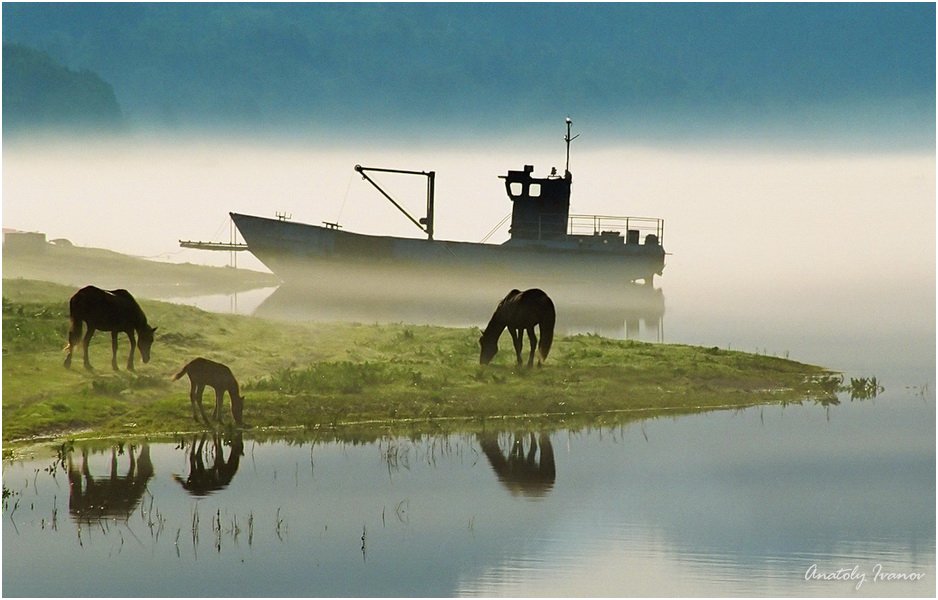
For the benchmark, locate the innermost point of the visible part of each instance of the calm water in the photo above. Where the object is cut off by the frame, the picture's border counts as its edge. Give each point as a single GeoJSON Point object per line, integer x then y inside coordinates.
{"type": "Point", "coordinates": [731, 503]}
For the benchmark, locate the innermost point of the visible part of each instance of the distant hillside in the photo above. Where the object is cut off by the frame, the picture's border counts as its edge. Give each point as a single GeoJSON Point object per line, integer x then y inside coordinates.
{"type": "Point", "coordinates": [76, 266]}
{"type": "Point", "coordinates": [681, 67]}
{"type": "Point", "coordinates": [37, 91]}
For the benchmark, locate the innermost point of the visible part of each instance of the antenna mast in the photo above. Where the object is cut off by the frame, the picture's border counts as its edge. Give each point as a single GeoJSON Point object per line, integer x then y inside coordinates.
{"type": "Point", "coordinates": [569, 139]}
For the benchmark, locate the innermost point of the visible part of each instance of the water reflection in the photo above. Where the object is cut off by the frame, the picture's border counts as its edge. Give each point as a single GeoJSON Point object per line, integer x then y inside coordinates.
{"type": "Point", "coordinates": [524, 465]}
{"type": "Point", "coordinates": [97, 498]}
{"type": "Point", "coordinates": [632, 312]}
{"type": "Point", "coordinates": [709, 518]}
{"type": "Point", "coordinates": [201, 480]}
{"type": "Point", "coordinates": [865, 388]}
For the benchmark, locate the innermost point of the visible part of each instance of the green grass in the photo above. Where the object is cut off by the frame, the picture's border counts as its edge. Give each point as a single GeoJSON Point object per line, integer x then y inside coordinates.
{"type": "Point", "coordinates": [318, 375]}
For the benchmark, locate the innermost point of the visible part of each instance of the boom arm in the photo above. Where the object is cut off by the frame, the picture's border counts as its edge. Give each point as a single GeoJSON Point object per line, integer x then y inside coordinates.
{"type": "Point", "coordinates": [426, 223]}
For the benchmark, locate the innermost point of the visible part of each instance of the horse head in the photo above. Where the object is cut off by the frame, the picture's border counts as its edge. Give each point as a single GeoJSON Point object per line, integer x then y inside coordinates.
{"type": "Point", "coordinates": [488, 347]}
{"type": "Point", "coordinates": [146, 340]}
{"type": "Point", "coordinates": [237, 408]}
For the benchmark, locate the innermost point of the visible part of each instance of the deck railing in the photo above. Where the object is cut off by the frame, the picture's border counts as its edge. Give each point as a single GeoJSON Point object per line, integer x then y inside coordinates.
{"type": "Point", "coordinates": [598, 224]}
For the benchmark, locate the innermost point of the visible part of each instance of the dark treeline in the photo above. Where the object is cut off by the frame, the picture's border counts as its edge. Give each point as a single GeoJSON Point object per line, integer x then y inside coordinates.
{"type": "Point", "coordinates": [37, 91]}
{"type": "Point", "coordinates": [301, 64]}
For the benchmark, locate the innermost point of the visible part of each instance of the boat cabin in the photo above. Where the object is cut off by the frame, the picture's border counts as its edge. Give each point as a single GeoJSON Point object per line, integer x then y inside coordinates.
{"type": "Point", "coordinates": [541, 206]}
{"type": "Point", "coordinates": [541, 212]}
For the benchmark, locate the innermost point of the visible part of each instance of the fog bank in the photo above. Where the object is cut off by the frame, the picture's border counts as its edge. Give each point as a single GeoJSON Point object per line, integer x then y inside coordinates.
{"type": "Point", "coordinates": [762, 216]}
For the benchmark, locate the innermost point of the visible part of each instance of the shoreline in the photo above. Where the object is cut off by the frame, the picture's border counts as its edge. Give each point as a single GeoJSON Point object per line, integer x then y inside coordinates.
{"type": "Point", "coordinates": [328, 376]}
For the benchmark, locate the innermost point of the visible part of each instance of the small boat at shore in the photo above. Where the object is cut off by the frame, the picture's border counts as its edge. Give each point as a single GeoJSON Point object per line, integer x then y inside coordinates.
{"type": "Point", "coordinates": [548, 246]}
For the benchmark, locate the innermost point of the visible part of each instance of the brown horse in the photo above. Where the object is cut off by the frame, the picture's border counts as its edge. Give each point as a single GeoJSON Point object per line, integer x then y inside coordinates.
{"type": "Point", "coordinates": [108, 310]}
{"type": "Point", "coordinates": [520, 311]}
{"type": "Point", "coordinates": [204, 372]}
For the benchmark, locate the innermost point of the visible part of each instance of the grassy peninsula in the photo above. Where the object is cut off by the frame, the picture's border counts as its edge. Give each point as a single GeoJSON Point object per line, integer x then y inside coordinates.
{"type": "Point", "coordinates": [324, 375]}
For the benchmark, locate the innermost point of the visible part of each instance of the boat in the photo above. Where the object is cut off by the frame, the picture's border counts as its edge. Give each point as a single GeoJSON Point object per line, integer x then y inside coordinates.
{"type": "Point", "coordinates": [548, 247]}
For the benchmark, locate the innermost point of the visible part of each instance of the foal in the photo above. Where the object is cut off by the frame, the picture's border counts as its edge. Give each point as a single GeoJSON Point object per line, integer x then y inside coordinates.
{"type": "Point", "coordinates": [204, 372]}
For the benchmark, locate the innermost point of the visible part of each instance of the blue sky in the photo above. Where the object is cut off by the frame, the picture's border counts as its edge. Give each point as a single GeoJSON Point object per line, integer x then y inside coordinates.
{"type": "Point", "coordinates": [676, 69]}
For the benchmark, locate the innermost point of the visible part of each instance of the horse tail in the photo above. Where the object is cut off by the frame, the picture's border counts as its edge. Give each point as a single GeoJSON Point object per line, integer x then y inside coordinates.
{"type": "Point", "coordinates": [547, 331]}
{"type": "Point", "coordinates": [182, 372]}
{"type": "Point", "coordinates": [75, 327]}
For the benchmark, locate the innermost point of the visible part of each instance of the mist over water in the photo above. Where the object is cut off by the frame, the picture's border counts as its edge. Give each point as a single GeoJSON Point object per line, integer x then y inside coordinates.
{"type": "Point", "coordinates": [757, 237]}
{"type": "Point", "coordinates": [872, 213]}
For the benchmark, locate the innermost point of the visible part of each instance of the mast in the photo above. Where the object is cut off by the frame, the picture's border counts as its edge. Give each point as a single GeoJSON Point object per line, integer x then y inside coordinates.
{"type": "Point", "coordinates": [569, 139]}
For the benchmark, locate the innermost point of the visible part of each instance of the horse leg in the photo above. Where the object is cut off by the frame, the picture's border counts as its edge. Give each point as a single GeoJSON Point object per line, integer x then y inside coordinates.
{"type": "Point", "coordinates": [517, 339]}
{"type": "Point", "coordinates": [133, 346]}
{"type": "Point", "coordinates": [192, 401]}
{"type": "Point", "coordinates": [198, 399]}
{"type": "Point", "coordinates": [84, 346]}
{"type": "Point", "coordinates": [201, 392]}
{"type": "Point", "coordinates": [114, 350]}
{"type": "Point", "coordinates": [533, 339]}
{"type": "Point", "coordinates": [219, 398]}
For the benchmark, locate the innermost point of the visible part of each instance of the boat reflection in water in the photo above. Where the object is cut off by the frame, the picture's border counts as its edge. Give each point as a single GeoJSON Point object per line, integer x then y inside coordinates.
{"type": "Point", "coordinates": [635, 311]}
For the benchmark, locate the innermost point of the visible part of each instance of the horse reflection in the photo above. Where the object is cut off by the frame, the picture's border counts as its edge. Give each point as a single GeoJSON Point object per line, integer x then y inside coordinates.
{"type": "Point", "coordinates": [203, 480]}
{"type": "Point", "coordinates": [92, 499]}
{"type": "Point", "coordinates": [526, 473]}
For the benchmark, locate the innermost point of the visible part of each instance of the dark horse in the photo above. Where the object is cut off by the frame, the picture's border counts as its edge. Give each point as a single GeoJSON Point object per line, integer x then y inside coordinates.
{"type": "Point", "coordinates": [204, 372]}
{"type": "Point", "coordinates": [520, 311]}
{"type": "Point", "coordinates": [107, 310]}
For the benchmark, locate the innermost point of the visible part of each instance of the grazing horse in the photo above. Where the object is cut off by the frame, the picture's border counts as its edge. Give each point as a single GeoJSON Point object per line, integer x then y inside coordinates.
{"type": "Point", "coordinates": [204, 372]}
{"type": "Point", "coordinates": [107, 310]}
{"type": "Point", "coordinates": [520, 311]}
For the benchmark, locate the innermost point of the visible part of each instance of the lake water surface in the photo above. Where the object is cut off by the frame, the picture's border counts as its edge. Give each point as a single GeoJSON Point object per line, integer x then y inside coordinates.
{"type": "Point", "coordinates": [730, 503]}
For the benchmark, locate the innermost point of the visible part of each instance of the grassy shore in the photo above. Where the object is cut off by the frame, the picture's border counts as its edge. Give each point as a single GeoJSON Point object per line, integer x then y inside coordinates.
{"type": "Point", "coordinates": [77, 266]}
{"type": "Point", "coordinates": [317, 375]}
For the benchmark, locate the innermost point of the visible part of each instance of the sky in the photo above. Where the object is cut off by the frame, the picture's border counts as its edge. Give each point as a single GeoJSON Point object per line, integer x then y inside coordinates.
{"type": "Point", "coordinates": [836, 74]}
